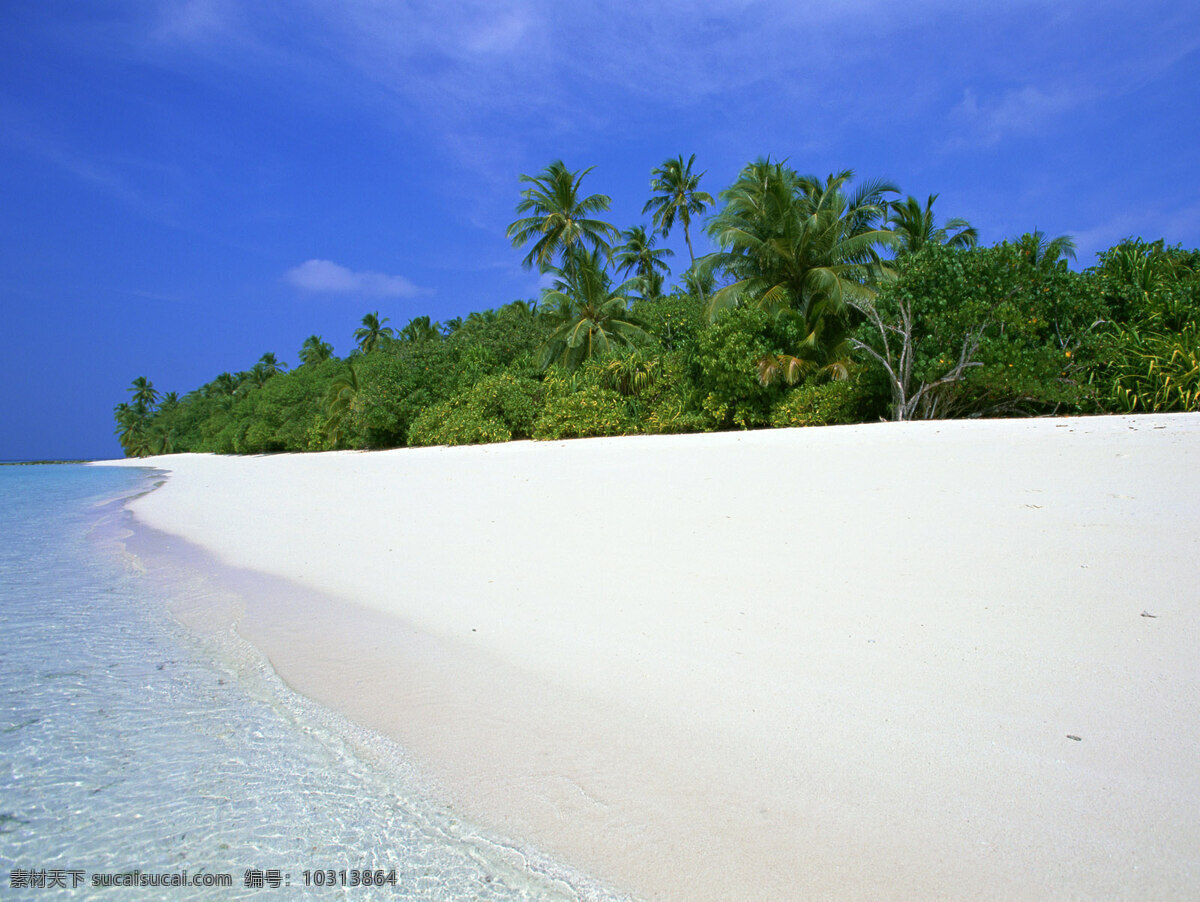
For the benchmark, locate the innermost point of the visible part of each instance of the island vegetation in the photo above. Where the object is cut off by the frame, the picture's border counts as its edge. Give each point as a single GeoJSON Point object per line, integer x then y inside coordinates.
{"type": "Point", "coordinates": [826, 301]}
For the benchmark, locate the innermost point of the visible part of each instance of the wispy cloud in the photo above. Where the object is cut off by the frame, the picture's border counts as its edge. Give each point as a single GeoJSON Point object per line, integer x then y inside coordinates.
{"type": "Point", "coordinates": [327, 277]}
{"type": "Point", "coordinates": [1020, 111]}
{"type": "Point", "coordinates": [1161, 221]}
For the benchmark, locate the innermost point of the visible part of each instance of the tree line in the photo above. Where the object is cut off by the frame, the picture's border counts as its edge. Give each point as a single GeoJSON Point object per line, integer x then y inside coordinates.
{"type": "Point", "coordinates": [825, 302]}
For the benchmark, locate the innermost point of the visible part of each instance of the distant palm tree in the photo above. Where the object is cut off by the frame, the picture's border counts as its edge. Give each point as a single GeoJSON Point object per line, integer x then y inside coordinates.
{"type": "Point", "coordinates": [560, 222]}
{"type": "Point", "coordinates": [639, 256]}
{"type": "Point", "coordinates": [1044, 252]}
{"type": "Point", "coordinates": [339, 401]}
{"type": "Point", "coordinates": [450, 326]}
{"type": "Point", "coordinates": [520, 309]}
{"type": "Point", "coordinates": [255, 377]}
{"type": "Point", "coordinates": [270, 365]}
{"type": "Point", "coordinates": [373, 332]}
{"type": "Point", "coordinates": [419, 328]}
{"type": "Point", "coordinates": [592, 314]}
{"type": "Point", "coordinates": [169, 401]}
{"type": "Point", "coordinates": [315, 350]}
{"type": "Point", "coordinates": [144, 394]}
{"type": "Point", "coordinates": [482, 317]}
{"type": "Point", "coordinates": [679, 197]}
{"type": "Point", "coordinates": [132, 429]}
{"type": "Point", "coordinates": [224, 385]}
{"type": "Point", "coordinates": [915, 227]}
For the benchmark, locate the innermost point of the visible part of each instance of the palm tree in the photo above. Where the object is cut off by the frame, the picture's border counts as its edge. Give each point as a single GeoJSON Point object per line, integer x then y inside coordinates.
{"type": "Point", "coordinates": [1043, 252]}
{"type": "Point", "coordinates": [520, 309]}
{"type": "Point", "coordinates": [132, 428]}
{"type": "Point", "coordinates": [800, 247]}
{"type": "Point", "coordinates": [339, 401]}
{"type": "Point", "coordinates": [373, 332]}
{"type": "Point", "coordinates": [255, 377]}
{"type": "Point", "coordinates": [915, 227]}
{"type": "Point", "coordinates": [270, 365]}
{"type": "Point", "coordinates": [419, 328]}
{"type": "Point", "coordinates": [144, 394]}
{"type": "Point", "coordinates": [679, 197]}
{"type": "Point", "coordinates": [638, 255]}
{"type": "Point", "coordinates": [482, 317]}
{"type": "Point", "coordinates": [592, 314]}
{"type": "Point", "coordinates": [450, 326]}
{"type": "Point", "coordinates": [559, 221]}
{"type": "Point", "coordinates": [224, 385]}
{"type": "Point", "coordinates": [315, 350]}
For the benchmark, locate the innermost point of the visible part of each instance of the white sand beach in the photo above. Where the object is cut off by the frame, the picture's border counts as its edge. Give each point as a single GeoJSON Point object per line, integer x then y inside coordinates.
{"type": "Point", "coordinates": [890, 661]}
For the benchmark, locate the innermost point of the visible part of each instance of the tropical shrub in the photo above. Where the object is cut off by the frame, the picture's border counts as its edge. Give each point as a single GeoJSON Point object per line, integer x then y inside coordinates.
{"type": "Point", "coordinates": [828, 403]}
{"type": "Point", "coordinates": [982, 331]}
{"type": "Point", "coordinates": [579, 406]}
{"type": "Point", "coordinates": [496, 409]}
{"type": "Point", "coordinates": [726, 363]}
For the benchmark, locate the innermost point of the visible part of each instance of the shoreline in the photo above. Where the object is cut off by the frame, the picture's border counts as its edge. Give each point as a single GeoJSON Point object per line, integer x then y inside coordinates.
{"type": "Point", "coordinates": [843, 662]}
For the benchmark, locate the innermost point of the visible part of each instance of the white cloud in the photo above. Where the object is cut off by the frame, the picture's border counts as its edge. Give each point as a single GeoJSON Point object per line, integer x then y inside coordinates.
{"type": "Point", "coordinates": [327, 277]}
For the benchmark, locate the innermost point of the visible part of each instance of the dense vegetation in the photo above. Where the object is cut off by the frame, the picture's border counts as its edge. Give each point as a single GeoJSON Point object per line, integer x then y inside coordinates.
{"type": "Point", "coordinates": [823, 303]}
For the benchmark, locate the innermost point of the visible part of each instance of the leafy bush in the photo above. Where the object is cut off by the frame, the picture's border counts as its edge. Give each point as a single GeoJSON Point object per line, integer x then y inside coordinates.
{"type": "Point", "coordinates": [726, 364]}
{"type": "Point", "coordinates": [1156, 371]}
{"type": "Point", "coordinates": [984, 331]}
{"type": "Point", "coordinates": [495, 409]}
{"type": "Point", "coordinates": [581, 407]}
{"type": "Point", "coordinates": [819, 404]}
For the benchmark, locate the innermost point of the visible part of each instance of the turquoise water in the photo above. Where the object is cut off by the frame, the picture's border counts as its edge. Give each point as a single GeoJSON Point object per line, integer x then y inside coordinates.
{"type": "Point", "coordinates": [128, 744]}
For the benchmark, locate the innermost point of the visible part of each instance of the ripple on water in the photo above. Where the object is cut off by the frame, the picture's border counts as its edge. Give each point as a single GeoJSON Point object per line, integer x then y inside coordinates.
{"type": "Point", "coordinates": [128, 744]}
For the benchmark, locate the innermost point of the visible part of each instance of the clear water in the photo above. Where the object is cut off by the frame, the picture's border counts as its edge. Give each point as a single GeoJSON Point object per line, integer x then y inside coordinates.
{"type": "Point", "coordinates": [129, 744]}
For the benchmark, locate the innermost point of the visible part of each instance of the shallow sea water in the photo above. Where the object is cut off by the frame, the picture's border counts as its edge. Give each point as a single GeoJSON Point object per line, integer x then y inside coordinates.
{"type": "Point", "coordinates": [128, 743]}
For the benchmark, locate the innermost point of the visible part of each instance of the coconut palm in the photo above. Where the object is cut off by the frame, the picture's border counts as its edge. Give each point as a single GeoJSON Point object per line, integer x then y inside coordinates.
{"type": "Point", "coordinates": [224, 385]}
{"type": "Point", "coordinates": [520, 309]}
{"type": "Point", "coordinates": [144, 394]}
{"type": "Point", "coordinates": [915, 227]}
{"type": "Point", "coordinates": [339, 400]}
{"type": "Point", "coordinates": [639, 256]}
{"type": "Point", "coordinates": [679, 197]}
{"type": "Point", "coordinates": [799, 247]}
{"type": "Point", "coordinates": [592, 314]}
{"type": "Point", "coordinates": [255, 377]}
{"type": "Point", "coordinates": [133, 428]}
{"type": "Point", "coordinates": [560, 222]}
{"type": "Point", "coordinates": [419, 328]}
{"type": "Point", "coordinates": [1044, 252]}
{"type": "Point", "coordinates": [315, 350]}
{"type": "Point", "coordinates": [270, 365]}
{"type": "Point", "coordinates": [373, 333]}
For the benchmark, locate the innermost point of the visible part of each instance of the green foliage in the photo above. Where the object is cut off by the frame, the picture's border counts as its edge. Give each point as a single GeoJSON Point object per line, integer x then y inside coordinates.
{"type": "Point", "coordinates": [586, 410]}
{"type": "Point", "coordinates": [590, 313]}
{"type": "Point", "coordinates": [559, 223]}
{"type": "Point", "coordinates": [983, 331]}
{"type": "Point", "coordinates": [726, 369]}
{"type": "Point", "coordinates": [674, 321]}
{"type": "Point", "coordinates": [496, 409]}
{"type": "Point", "coordinates": [1151, 350]}
{"type": "Point", "coordinates": [1156, 371]}
{"type": "Point", "coordinates": [828, 403]}
{"type": "Point", "coordinates": [799, 244]}
{"type": "Point", "coordinates": [747, 339]}
{"type": "Point", "coordinates": [395, 385]}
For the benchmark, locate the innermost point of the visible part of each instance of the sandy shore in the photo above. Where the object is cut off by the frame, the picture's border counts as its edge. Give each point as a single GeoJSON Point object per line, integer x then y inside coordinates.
{"type": "Point", "coordinates": [940, 660]}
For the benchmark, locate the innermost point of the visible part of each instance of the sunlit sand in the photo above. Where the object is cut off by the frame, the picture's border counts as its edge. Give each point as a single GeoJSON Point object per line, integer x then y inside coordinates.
{"type": "Point", "coordinates": [947, 659]}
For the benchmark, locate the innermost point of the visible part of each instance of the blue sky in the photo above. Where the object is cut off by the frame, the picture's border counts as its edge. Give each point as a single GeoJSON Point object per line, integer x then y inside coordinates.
{"type": "Point", "coordinates": [186, 185]}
